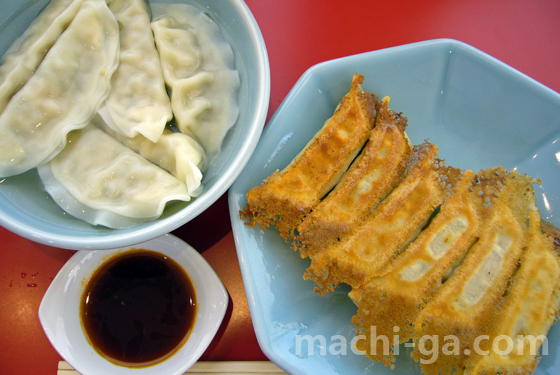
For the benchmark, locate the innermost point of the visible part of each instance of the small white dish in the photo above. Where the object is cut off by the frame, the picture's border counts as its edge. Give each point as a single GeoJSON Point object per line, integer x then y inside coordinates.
{"type": "Point", "coordinates": [59, 311]}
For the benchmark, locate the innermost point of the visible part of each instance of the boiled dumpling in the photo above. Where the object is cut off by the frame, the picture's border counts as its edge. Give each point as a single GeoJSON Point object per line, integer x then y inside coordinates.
{"type": "Point", "coordinates": [198, 68]}
{"type": "Point", "coordinates": [27, 51]}
{"type": "Point", "coordinates": [138, 102]}
{"type": "Point", "coordinates": [98, 180]}
{"type": "Point", "coordinates": [64, 92]}
{"type": "Point", "coordinates": [177, 153]}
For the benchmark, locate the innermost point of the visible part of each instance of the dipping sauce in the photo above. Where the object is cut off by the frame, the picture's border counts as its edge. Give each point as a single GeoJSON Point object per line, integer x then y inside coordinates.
{"type": "Point", "coordinates": [138, 308]}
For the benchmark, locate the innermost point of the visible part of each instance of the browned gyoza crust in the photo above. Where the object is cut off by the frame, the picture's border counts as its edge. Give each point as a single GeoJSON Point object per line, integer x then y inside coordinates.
{"type": "Point", "coordinates": [371, 248]}
{"type": "Point", "coordinates": [527, 312]}
{"type": "Point", "coordinates": [396, 299]}
{"type": "Point", "coordinates": [370, 178]}
{"type": "Point", "coordinates": [466, 306]}
{"type": "Point", "coordinates": [286, 197]}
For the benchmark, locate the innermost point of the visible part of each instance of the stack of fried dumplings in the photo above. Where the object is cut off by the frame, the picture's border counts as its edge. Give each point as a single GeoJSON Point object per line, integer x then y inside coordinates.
{"type": "Point", "coordinates": [427, 248]}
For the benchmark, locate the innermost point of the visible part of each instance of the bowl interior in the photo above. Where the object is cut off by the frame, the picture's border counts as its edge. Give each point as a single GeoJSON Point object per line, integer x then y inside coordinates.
{"type": "Point", "coordinates": [480, 112]}
{"type": "Point", "coordinates": [26, 209]}
{"type": "Point", "coordinates": [60, 317]}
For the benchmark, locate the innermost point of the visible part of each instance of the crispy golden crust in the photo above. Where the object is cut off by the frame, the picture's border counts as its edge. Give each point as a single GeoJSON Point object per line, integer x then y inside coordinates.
{"type": "Point", "coordinates": [466, 305]}
{"type": "Point", "coordinates": [397, 298]}
{"type": "Point", "coordinates": [370, 178]}
{"type": "Point", "coordinates": [370, 249]}
{"type": "Point", "coordinates": [528, 310]}
{"type": "Point", "coordinates": [286, 197]}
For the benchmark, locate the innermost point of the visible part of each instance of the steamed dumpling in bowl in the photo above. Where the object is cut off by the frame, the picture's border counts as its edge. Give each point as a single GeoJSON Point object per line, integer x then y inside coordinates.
{"type": "Point", "coordinates": [99, 180]}
{"type": "Point", "coordinates": [138, 102]}
{"type": "Point", "coordinates": [26, 52]}
{"type": "Point", "coordinates": [63, 93]}
{"type": "Point", "coordinates": [90, 107]}
{"type": "Point", "coordinates": [198, 69]}
{"type": "Point", "coordinates": [177, 153]}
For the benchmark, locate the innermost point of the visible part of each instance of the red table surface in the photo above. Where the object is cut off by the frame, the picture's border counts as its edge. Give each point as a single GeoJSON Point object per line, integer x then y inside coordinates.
{"type": "Point", "coordinates": [298, 34]}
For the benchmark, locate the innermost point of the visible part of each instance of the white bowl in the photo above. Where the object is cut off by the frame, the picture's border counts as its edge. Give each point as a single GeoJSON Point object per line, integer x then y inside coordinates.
{"type": "Point", "coordinates": [480, 112]}
{"type": "Point", "coordinates": [27, 210]}
{"type": "Point", "coordinates": [59, 311]}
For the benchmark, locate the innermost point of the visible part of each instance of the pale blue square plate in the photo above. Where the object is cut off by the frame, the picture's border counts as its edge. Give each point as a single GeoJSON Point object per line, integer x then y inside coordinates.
{"type": "Point", "coordinates": [480, 112]}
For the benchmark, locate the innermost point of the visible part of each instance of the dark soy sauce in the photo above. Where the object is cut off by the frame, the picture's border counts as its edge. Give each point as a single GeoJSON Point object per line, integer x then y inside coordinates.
{"type": "Point", "coordinates": [138, 308]}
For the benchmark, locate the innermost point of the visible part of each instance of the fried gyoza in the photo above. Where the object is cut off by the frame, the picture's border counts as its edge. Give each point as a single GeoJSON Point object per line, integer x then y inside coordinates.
{"type": "Point", "coordinates": [370, 178]}
{"type": "Point", "coordinates": [529, 309]}
{"type": "Point", "coordinates": [286, 197]}
{"type": "Point", "coordinates": [397, 298]}
{"type": "Point", "coordinates": [370, 249]}
{"type": "Point", "coordinates": [466, 305]}
{"type": "Point", "coordinates": [447, 258]}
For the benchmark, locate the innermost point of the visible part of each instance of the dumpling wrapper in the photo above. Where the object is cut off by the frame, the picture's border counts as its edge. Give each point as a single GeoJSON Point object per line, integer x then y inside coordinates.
{"type": "Point", "coordinates": [98, 180]}
{"type": "Point", "coordinates": [177, 153]}
{"type": "Point", "coordinates": [138, 102]}
{"type": "Point", "coordinates": [63, 94]}
{"type": "Point", "coordinates": [26, 52]}
{"type": "Point", "coordinates": [198, 68]}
